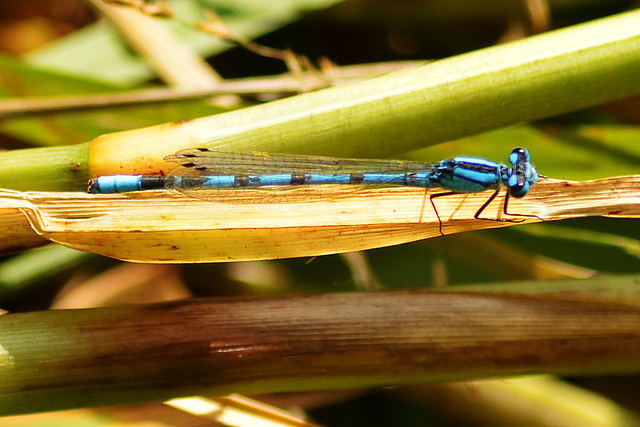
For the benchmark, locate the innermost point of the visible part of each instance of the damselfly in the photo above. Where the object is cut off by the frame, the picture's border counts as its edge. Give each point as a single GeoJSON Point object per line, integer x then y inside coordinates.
{"type": "Point", "coordinates": [202, 170]}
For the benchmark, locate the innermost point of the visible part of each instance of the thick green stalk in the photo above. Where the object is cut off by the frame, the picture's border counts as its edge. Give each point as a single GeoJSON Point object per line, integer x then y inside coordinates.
{"type": "Point", "coordinates": [45, 169]}
{"type": "Point", "coordinates": [118, 355]}
{"type": "Point", "coordinates": [536, 77]}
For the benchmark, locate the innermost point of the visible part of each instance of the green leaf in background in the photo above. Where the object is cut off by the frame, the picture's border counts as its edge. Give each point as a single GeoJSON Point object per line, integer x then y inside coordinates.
{"type": "Point", "coordinates": [98, 53]}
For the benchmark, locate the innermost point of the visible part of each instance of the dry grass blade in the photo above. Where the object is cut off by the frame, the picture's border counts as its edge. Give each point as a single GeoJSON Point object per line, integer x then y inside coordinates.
{"type": "Point", "coordinates": [162, 226]}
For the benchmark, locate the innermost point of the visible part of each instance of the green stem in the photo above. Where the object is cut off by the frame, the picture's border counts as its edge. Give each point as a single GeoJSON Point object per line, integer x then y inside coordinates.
{"type": "Point", "coordinates": [45, 169]}
{"type": "Point", "coordinates": [310, 342]}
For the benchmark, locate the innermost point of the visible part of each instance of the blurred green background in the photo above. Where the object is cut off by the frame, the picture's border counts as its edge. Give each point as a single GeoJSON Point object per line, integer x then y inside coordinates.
{"type": "Point", "coordinates": [64, 48]}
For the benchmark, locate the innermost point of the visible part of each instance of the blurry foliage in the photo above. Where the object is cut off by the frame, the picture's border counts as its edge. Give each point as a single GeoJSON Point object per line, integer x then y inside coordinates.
{"type": "Point", "coordinates": [60, 48]}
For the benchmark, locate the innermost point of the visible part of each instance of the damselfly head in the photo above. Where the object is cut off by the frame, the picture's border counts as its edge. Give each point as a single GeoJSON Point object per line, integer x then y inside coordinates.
{"type": "Point", "coordinates": [523, 174]}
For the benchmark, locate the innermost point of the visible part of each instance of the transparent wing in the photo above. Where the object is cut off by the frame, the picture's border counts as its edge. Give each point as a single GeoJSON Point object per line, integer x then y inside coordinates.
{"type": "Point", "coordinates": [278, 193]}
{"type": "Point", "coordinates": [204, 161]}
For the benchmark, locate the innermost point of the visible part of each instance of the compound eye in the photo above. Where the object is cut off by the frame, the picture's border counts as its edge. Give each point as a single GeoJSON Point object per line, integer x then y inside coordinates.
{"type": "Point", "coordinates": [519, 155]}
{"type": "Point", "coordinates": [519, 190]}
